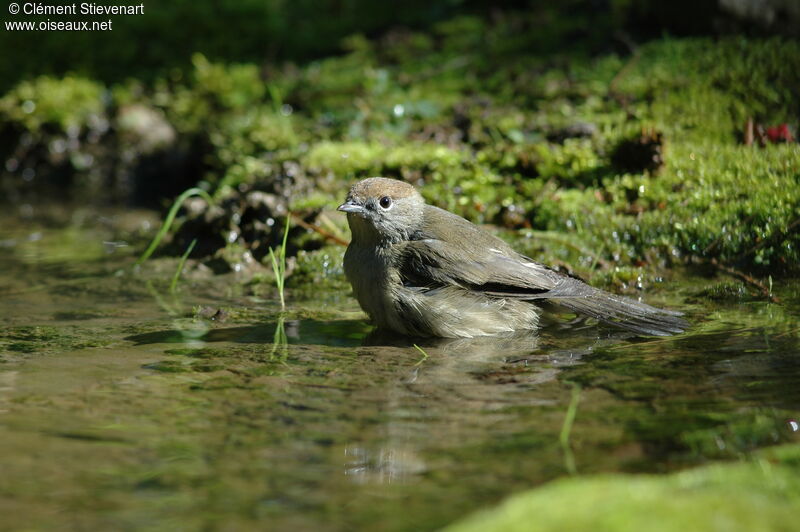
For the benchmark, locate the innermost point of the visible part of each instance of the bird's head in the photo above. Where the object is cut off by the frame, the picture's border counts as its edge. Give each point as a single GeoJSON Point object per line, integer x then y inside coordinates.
{"type": "Point", "coordinates": [383, 210]}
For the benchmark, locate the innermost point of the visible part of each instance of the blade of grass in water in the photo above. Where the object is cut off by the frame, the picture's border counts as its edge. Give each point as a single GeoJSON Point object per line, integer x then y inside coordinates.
{"type": "Point", "coordinates": [174, 284]}
{"type": "Point", "coordinates": [424, 355]}
{"type": "Point", "coordinates": [173, 211]}
{"type": "Point", "coordinates": [279, 262]}
{"type": "Point", "coordinates": [566, 428]}
{"type": "Point", "coordinates": [280, 342]}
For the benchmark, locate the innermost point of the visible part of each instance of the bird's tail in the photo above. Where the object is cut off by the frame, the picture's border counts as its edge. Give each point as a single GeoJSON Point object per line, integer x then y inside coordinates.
{"type": "Point", "coordinates": [621, 311]}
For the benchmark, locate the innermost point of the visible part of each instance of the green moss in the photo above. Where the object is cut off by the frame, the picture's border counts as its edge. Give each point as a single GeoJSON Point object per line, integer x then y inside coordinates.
{"type": "Point", "coordinates": [320, 269]}
{"type": "Point", "coordinates": [570, 162]}
{"type": "Point", "coordinates": [48, 340]}
{"type": "Point", "coordinates": [704, 90]}
{"type": "Point", "coordinates": [726, 291]}
{"type": "Point", "coordinates": [68, 103]}
{"type": "Point", "coordinates": [345, 160]}
{"type": "Point", "coordinates": [471, 187]}
{"type": "Point", "coordinates": [761, 494]}
{"type": "Point", "coordinates": [495, 131]}
{"type": "Point", "coordinates": [730, 202]}
{"type": "Point", "coordinates": [168, 366]}
{"type": "Point", "coordinates": [695, 92]}
{"type": "Point", "coordinates": [21, 347]}
{"type": "Point", "coordinates": [737, 434]}
{"type": "Point", "coordinates": [33, 333]}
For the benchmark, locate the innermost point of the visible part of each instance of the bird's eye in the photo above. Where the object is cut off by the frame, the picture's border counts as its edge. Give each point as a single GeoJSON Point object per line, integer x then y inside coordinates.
{"type": "Point", "coordinates": [385, 202]}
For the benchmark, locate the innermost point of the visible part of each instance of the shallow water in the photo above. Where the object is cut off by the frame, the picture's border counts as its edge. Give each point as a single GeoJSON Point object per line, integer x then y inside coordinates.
{"type": "Point", "coordinates": [122, 407]}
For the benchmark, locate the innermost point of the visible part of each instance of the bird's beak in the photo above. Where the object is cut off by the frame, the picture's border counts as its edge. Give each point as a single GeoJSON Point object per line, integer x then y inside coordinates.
{"type": "Point", "coordinates": [350, 206]}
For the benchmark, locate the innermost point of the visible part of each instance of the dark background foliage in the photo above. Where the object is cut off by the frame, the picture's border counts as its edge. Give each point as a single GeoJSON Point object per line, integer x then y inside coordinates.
{"type": "Point", "coordinates": [162, 41]}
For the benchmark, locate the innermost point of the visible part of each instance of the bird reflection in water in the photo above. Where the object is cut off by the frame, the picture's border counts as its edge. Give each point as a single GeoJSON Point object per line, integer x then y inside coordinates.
{"type": "Point", "coordinates": [459, 390]}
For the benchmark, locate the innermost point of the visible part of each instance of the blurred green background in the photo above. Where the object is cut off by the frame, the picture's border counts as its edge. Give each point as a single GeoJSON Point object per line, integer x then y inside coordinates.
{"type": "Point", "coordinates": [268, 31]}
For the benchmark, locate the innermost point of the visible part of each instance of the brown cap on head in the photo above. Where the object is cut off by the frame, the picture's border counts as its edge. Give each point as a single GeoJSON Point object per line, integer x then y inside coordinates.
{"type": "Point", "coordinates": [375, 187]}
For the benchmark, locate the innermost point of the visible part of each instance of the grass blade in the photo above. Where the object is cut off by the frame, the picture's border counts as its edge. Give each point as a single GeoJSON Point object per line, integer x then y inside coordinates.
{"type": "Point", "coordinates": [174, 284]}
{"type": "Point", "coordinates": [279, 262]}
{"type": "Point", "coordinates": [424, 355]}
{"type": "Point", "coordinates": [165, 227]}
{"type": "Point", "coordinates": [566, 429]}
{"type": "Point", "coordinates": [280, 341]}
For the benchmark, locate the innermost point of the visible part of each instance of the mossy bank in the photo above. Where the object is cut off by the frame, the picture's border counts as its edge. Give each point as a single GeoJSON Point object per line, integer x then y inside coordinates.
{"type": "Point", "coordinates": [635, 159]}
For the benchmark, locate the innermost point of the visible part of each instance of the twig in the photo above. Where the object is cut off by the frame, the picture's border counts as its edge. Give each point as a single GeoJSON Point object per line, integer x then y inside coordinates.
{"type": "Point", "coordinates": [787, 333]}
{"type": "Point", "coordinates": [311, 227]}
{"type": "Point", "coordinates": [325, 222]}
{"type": "Point", "coordinates": [612, 87]}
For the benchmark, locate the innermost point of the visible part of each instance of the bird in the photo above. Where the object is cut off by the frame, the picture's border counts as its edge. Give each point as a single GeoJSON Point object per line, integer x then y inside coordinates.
{"type": "Point", "coordinates": [422, 271]}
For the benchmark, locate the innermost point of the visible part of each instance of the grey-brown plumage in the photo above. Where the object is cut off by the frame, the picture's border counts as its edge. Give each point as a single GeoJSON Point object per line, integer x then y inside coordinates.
{"type": "Point", "coordinates": [422, 271]}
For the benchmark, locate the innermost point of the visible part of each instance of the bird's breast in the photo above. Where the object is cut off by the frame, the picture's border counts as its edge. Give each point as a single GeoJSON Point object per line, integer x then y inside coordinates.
{"type": "Point", "coordinates": [371, 274]}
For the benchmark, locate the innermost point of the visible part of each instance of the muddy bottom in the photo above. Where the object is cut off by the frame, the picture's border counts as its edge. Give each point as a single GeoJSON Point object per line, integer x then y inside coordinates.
{"type": "Point", "coordinates": [125, 406]}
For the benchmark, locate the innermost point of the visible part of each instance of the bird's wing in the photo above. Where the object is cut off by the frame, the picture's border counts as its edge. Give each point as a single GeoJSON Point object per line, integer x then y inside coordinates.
{"type": "Point", "coordinates": [481, 262]}
{"type": "Point", "coordinates": [434, 263]}
{"type": "Point", "coordinates": [449, 250]}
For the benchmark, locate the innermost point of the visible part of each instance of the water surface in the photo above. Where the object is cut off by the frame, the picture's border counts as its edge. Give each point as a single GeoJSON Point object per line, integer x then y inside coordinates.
{"type": "Point", "coordinates": [123, 406]}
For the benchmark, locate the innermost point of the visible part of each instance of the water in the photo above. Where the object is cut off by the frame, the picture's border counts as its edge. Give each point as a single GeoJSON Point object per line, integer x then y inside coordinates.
{"type": "Point", "coordinates": [119, 410]}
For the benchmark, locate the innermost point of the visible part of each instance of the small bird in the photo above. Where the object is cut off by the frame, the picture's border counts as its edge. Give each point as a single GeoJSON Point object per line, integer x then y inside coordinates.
{"type": "Point", "coordinates": [419, 270]}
